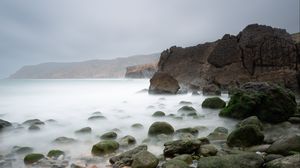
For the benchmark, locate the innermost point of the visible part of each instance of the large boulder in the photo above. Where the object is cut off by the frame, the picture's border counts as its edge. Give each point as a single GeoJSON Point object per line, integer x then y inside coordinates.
{"type": "Point", "coordinates": [163, 83]}
{"type": "Point", "coordinates": [268, 102]}
{"type": "Point", "coordinates": [144, 159]}
{"type": "Point", "coordinates": [213, 103]}
{"type": "Point", "coordinates": [105, 147]}
{"type": "Point", "coordinates": [158, 128]}
{"type": "Point", "coordinates": [178, 147]}
{"type": "Point", "coordinates": [285, 162]}
{"type": "Point", "coordinates": [285, 146]}
{"type": "Point", "coordinates": [245, 136]}
{"type": "Point", "coordinates": [250, 160]}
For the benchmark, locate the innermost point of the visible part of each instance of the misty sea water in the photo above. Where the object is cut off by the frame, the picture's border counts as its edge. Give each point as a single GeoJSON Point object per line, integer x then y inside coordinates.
{"type": "Point", "coordinates": [70, 102]}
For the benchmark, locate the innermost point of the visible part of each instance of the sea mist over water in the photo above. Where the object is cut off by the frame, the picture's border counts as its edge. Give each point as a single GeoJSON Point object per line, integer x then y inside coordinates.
{"type": "Point", "coordinates": [72, 102]}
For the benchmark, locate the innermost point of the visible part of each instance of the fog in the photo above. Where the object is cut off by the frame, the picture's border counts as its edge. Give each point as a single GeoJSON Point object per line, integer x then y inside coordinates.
{"type": "Point", "coordinates": [73, 30]}
{"type": "Point", "coordinates": [71, 102]}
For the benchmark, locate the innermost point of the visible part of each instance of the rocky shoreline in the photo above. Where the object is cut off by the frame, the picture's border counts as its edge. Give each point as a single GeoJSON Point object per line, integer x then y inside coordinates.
{"type": "Point", "coordinates": [267, 135]}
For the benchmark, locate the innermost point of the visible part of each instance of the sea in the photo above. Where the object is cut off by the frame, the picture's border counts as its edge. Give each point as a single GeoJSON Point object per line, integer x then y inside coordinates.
{"type": "Point", "coordinates": [65, 105]}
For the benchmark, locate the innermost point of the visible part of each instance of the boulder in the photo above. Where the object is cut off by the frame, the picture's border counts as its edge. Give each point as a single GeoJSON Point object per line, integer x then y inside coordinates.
{"type": "Point", "coordinates": [286, 145]}
{"type": "Point", "coordinates": [137, 126]}
{"type": "Point", "coordinates": [185, 157]}
{"type": "Point", "coordinates": [55, 154]}
{"type": "Point", "coordinates": [250, 160]}
{"type": "Point", "coordinates": [208, 150]}
{"type": "Point", "coordinates": [160, 128]}
{"type": "Point", "coordinates": [271, 157]}
{"type": "Point", "coordinates": [126, 158]}
{"type": "Point", "coordinates": [245, 136]}
{"type": "Point", "coordinates": [190, 130]}
{"type": "Point", "coordinates": [163, 83]}
{"type": "Point", "coordinates": [109, 135]}
{"type": "Point", "coordinates": [85, 130]}
{"type": "Point", "coordinates": [179, 147]}
{"type": "Point", "coordinates": [220, 133]}
{"type": "Point", "coordinates": [175, 163]}
{"type": "Point", "coordinates": [22, 150]}
{"type": "Point", "coordinates": [127, 140]}
{"type": "Point", "coordinates": [213, 103]}
{"type": "Point", "coordinates": [144, 159]}
{"type": "Point", "coordinates": [285, 162]}
{"type": "Point", "coordinates": [211, 89]}
{"type": "Point", "coordinates": [33, 122]}
{"type": "Point", "coordinates": [64, 140]}
{"type": "Point", "coordinates": [158, 114]}
{"type": "Point", "coordinates": [4, 124]}
{"type": "Point", "coordinates": [268, 102]}
{"type": "Point", "coordinates": [32, 158]}
{"type": "Point", "coordinates": [97, 117]}
{"type": "Point", "coordinates": [253, 120]}
{"type": "Point", "coordinates": [187, 111]}
{"type": "Point", "coordinates": [105, 147]}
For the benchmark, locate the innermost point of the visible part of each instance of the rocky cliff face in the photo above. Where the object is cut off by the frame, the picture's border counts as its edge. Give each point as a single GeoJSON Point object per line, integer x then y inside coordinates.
{"type": "Point", "coordinates": [257, 53]}
{"type": "Point", "coordinates": [141, 71]}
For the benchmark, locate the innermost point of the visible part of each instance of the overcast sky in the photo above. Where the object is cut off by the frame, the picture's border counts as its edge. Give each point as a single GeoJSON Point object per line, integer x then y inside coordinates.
{"type": "Point", "coordinates": [35, 31]}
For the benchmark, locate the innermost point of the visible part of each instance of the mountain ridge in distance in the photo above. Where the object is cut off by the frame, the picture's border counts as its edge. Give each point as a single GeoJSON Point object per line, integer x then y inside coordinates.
{"type": "Point", "coordinates": [97, 68]}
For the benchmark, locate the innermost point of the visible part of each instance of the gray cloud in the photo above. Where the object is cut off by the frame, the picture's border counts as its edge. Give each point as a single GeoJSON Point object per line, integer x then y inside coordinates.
{"type": "Point", "coordinates": [34, 31]}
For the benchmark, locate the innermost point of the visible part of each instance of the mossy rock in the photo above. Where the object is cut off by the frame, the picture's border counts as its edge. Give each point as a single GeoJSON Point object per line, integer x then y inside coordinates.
{"type": "Point", "coordinates": [213, 103]}
{"type": "Point", "coordinates": [160, 128]}
{"type": "Point", "coordinates": [109, 135]}
{"type": "Point", "coordinates": [245, 136]}
{"type": "Point", "coordinates": [158, 114]}
{"type": "Point", "coordinates": [105, 147]}
{"type": "Point", "coordinates": [94, 118]}
{"type": "Point", "coordinates": [33, 157]}
{"type": "Point", "coordinates": [270, 103]}
{"type": "Point", "coordinates": [55, 153]}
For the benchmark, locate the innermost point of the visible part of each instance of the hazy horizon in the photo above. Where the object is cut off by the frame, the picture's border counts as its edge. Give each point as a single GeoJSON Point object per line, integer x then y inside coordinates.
{"type": "Point", "coordinates": [34, 32]}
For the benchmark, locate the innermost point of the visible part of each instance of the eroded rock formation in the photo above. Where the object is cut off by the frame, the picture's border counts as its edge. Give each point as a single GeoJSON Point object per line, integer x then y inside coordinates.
{"type": "Point", "coordinates": [257, 53]}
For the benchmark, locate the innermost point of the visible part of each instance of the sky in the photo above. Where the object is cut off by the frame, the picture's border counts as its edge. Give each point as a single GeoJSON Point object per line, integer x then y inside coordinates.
{"type": "Point", "coordinates": [36, 31]}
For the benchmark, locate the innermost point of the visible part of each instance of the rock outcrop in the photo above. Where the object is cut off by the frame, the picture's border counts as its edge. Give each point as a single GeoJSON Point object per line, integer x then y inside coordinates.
{"type": "Point", "coordinates": [257, 53]}
{"type": "Point", "coordinates": [141, 71]}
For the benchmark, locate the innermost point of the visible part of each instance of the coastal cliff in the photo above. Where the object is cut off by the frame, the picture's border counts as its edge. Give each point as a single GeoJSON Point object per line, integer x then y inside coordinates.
{"type": "Point", "coordinates": [257, 53]}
